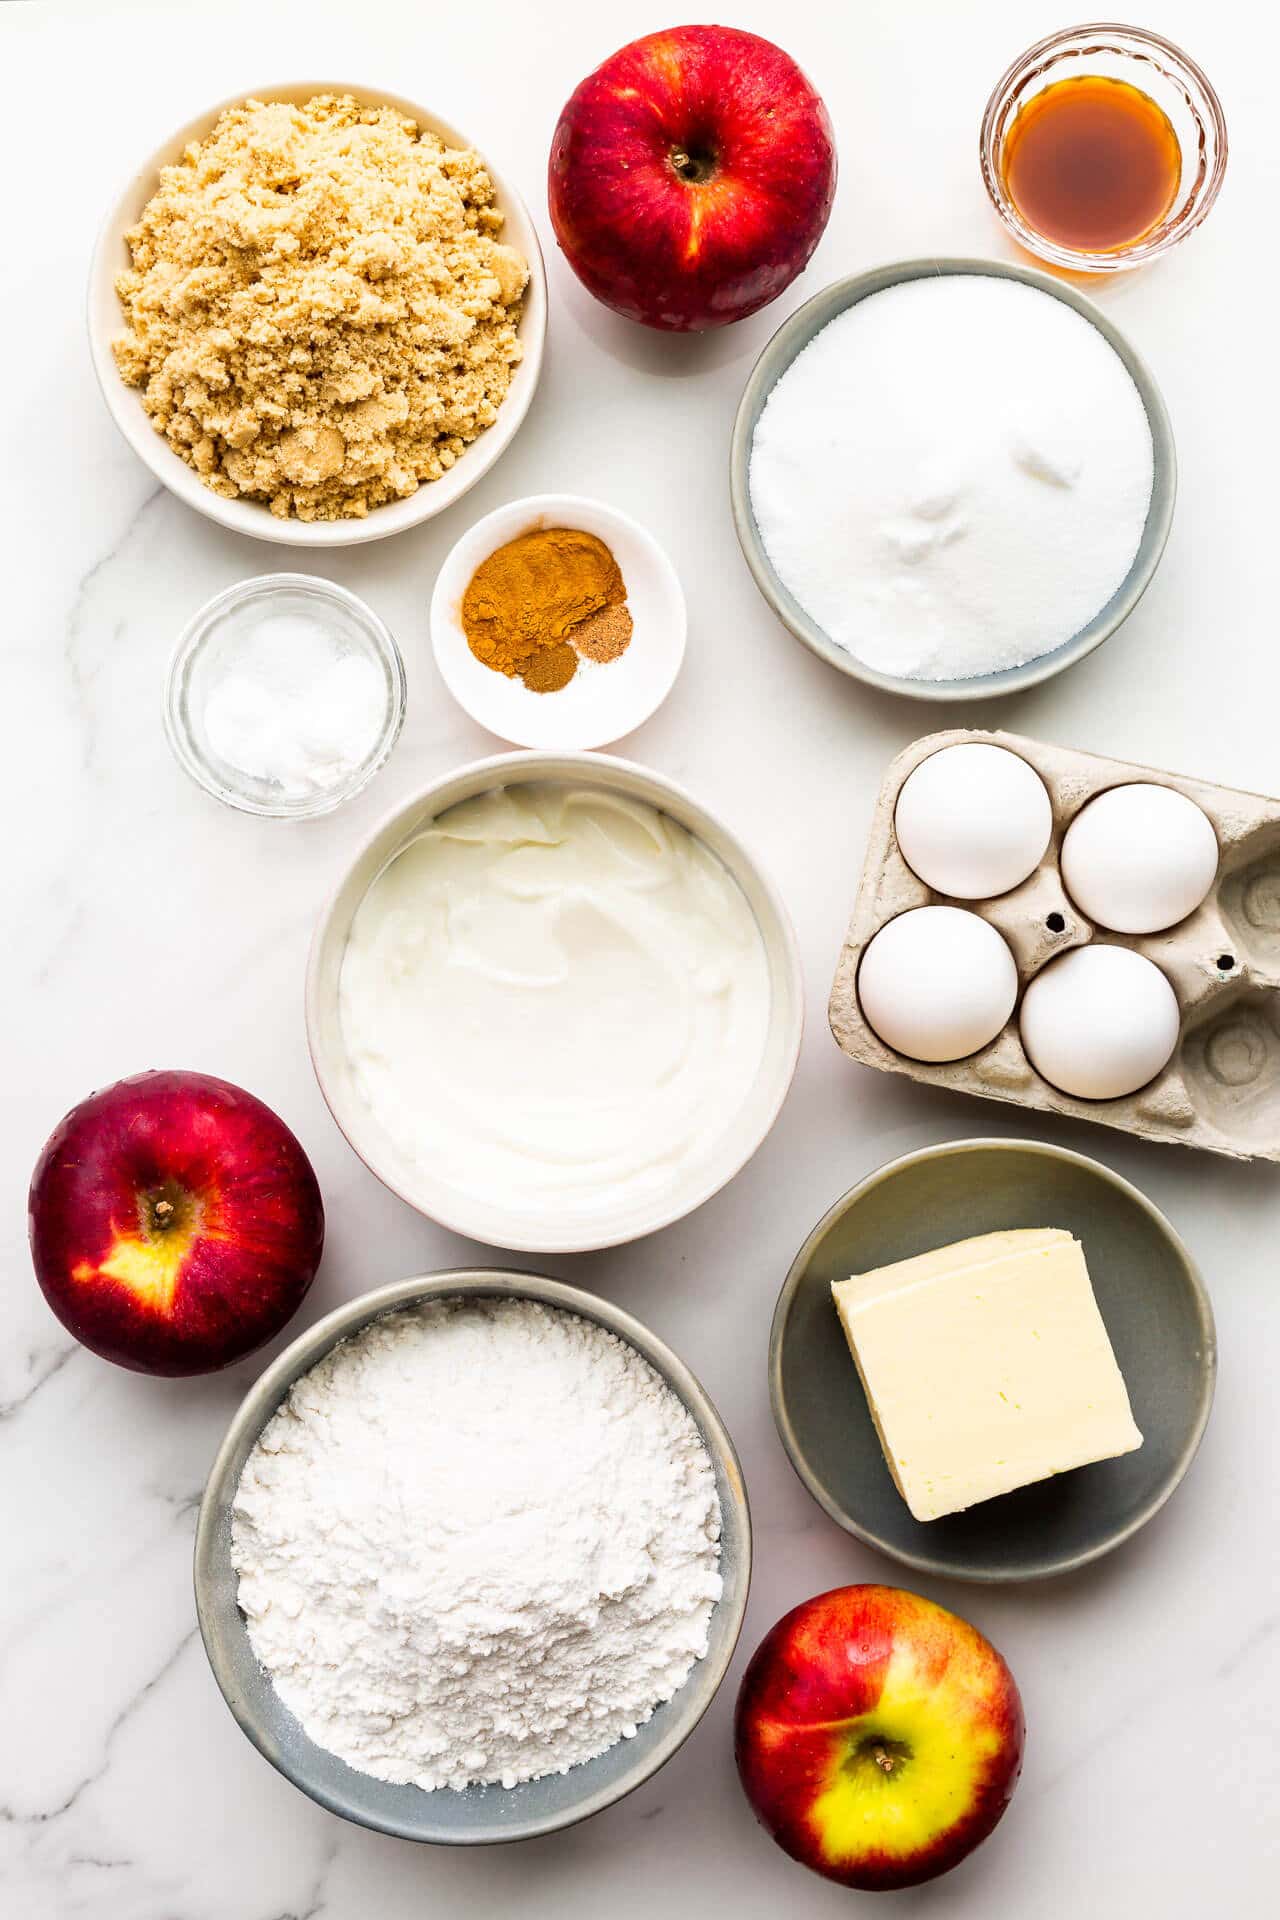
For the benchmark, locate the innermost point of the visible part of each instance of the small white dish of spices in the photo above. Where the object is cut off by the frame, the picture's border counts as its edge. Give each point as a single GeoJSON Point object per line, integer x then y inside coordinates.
{"type": "Point", "coordinates": [558, 622]}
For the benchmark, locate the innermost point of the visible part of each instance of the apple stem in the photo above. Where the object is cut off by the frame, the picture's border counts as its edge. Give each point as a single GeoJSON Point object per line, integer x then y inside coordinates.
{"type": "Point", "coordinates": [693, 167]}
{"type": "Point", "coordinates": [163, 1212]}
{"type": "Point", "coordinates": [883, 1760]}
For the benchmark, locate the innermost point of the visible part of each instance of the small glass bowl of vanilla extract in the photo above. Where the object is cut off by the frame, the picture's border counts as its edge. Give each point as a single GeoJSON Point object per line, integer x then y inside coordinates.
{"type": "Point", "coordinates": [1102, 147]}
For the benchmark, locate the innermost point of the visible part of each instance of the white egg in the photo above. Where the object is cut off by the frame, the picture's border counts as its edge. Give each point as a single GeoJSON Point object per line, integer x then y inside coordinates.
{"type": "Point", "coordinates": [973, 820]}
{"type": "Point", "coordinates": [1139, 858]}
{"type": "Point", "coordinates": [1099, 1022]}
{"type": "Point", "coordinates": [937, 983]}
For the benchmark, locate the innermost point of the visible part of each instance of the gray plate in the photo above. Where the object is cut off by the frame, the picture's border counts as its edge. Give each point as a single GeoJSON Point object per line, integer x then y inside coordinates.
{"type": "Point", "coordinates": [481, 1814]}
{"type": "Point", "coordinates": [796, 333]}
{"type": "Point", "coordinates": [1150, 1296]}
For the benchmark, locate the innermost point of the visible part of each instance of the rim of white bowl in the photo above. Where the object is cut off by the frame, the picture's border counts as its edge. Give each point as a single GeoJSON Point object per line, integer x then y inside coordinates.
{"type": "Point", "coordinates": [252, 517]}
{"type": "Point", "coordinates": [458, 1212]}
{"type": "Point", "coordinates": [555, 508]}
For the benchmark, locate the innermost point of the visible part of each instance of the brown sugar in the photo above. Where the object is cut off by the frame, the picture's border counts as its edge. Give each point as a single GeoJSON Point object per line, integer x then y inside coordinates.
{"type": "Point", "coordinates": [319, 313]}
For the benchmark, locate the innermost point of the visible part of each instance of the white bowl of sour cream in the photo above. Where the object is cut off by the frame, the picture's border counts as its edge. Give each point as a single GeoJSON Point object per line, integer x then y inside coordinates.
{"type": "Point", "coordinates": [554, 1004]}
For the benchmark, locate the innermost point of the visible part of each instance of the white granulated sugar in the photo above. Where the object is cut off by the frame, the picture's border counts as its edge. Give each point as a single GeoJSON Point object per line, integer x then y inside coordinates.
{"type": "Point", "coordinates": [478, 1542]}
{"type": "Point", "coordinates": [953, 477]}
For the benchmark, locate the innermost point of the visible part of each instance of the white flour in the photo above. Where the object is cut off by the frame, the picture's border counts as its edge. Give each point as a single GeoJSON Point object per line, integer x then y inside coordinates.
{"type": "Point", "coordinates": [478, 1542]}
{"type": "Point", "coordinates": [953, 476]}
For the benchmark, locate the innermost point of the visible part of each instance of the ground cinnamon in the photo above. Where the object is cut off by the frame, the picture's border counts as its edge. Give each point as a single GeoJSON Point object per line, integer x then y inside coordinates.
{"type": "Point", "coordinates": [525, 603]}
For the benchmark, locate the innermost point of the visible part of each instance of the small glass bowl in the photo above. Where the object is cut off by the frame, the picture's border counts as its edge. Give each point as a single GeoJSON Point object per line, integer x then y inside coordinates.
{"type": "Point", "coordinates": [1161, 71]}
{"type": "Point", "coordinates": [203, 654]}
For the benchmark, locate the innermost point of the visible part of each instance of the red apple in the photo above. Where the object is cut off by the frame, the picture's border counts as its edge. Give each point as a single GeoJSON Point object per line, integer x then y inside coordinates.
{"type": "Point", "coordinates": [175, 1223]}
{"type": "Point", "coordinates": [691, 177]}
{"type": "Point", "coordinates": [879, 1737]}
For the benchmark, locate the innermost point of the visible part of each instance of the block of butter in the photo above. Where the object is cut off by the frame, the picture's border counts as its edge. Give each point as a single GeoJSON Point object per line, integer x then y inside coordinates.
{"type": "Point", "coordinates": [986, 1366]}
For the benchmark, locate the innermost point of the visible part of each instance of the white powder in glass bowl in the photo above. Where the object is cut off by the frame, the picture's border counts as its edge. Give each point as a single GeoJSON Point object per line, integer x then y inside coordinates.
{"type": "Point", "coordinates": [953, 477]}
{"type": "Point", "coordinates": [295, 707]}
{"type": "Point", "coordinates": [478, 1542]}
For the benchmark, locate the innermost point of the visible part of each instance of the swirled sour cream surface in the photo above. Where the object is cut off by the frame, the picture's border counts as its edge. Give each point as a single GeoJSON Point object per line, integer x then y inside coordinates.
{"type": "Point", "coordinates": [554, 995]}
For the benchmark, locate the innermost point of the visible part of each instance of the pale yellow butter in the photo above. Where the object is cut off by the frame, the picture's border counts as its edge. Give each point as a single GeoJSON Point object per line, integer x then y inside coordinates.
{"type": "Point", "coordinates": [986, 1366]}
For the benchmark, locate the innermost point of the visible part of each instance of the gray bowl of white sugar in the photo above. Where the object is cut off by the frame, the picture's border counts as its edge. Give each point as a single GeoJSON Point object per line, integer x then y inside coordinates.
{"type": "Point", "coordinates": [357, 1527]}
{"type": "Point", "coordinates": [957, 490]}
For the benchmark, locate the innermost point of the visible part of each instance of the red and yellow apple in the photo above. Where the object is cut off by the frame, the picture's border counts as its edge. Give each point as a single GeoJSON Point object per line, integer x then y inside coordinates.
{"type": "Point", "coordinates": [691, 177]}
{"type": "Point", "coordinates": [878, 1737]}
{"type": "Point", "coordinates": [176, 1223]}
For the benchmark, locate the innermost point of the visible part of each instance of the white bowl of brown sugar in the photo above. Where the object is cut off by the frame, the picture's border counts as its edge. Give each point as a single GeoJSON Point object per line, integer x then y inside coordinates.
{"type": "Point", "coordinates": [317, 313]}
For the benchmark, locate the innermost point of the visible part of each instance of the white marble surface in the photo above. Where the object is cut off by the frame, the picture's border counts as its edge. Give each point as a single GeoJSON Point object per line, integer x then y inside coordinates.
{"type": "Point", "coordinates": [145, 926]}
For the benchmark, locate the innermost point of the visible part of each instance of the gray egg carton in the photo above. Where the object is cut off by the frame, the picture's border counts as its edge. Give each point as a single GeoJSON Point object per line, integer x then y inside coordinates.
{"type": "Point", "coordinates": [1221, 1089]}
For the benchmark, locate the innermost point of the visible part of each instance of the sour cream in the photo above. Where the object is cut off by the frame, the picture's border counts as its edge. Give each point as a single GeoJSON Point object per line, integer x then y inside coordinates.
{"type": "Point", "coordinates": [553, 996]}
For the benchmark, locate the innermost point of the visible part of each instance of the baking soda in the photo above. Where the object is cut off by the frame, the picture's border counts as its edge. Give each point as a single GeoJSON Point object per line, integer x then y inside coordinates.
{"type": "Point", "coordinates": [954, 476]}
{"type": "Point", "coordinates": [294, 705]}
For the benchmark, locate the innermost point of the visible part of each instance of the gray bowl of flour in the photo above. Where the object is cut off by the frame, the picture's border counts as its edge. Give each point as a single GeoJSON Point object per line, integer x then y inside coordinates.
{"type": "Point", "coordinates": [778, 358]}
{"type": "Point", "coordinates": [476, 1815]}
